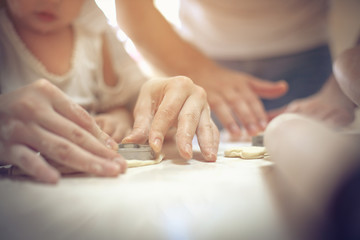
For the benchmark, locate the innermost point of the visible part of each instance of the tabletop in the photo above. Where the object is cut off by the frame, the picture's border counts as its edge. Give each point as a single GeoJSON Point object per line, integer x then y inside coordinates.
{"type": "Point", "coordinates": [175, 199]}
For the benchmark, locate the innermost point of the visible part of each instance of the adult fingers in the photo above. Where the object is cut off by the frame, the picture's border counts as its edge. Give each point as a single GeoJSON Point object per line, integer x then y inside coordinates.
{"type": "Point", "coordinates": [225, 116]}
{"type": "Point", "coordinates": [188, 121]}
{"type": "Point", "coordinates": [31, 163]}
{"type": "Point", "coordinates": [67, 129]}
{"type": "Point", "coordinates": [143, 114]}
{"type": "Point", "coordinates": [164, 118]}
{"type": "Point", "coordinates": [74, 112]}
{"type": "Point", "coordinates": [176, 92]}
{"type": "Point", "coordinates": [242, 106]}
{"type": "Point", "coordinates": [259, 111]}
{"type": "Point", "coordinates": [267, 89]}
{"type": "Point", "coordinates": [208, 136]}
{"type": "Point", "coordinates": [61, 150]}
{"type": "Point", "coordinates": [275, 112]}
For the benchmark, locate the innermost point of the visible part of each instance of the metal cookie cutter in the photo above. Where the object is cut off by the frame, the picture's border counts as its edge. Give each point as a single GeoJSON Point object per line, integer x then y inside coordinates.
{"type": "Point", "coordinates": [136, 151]}
{"type": "Point", "coordinates": [258, 140]}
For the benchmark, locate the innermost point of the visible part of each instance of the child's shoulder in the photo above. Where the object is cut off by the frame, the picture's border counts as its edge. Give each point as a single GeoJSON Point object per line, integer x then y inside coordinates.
{"type": "Point", "coordinates": [91, 19]}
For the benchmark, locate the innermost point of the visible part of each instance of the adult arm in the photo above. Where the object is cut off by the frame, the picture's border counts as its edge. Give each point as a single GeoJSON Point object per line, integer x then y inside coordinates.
{"type": "Point", "coordinates": [232, 95]}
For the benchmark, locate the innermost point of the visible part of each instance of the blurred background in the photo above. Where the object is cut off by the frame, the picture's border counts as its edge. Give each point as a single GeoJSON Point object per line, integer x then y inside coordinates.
{"type": "Point", "coordinates": [341, 37]}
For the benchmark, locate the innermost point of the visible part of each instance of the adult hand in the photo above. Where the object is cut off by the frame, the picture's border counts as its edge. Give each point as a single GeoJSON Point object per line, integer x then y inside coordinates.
{"type": "Point", "coordinates": [329, 105]}
{"type": "Point", "coordinates": [40, 118]}
{"type": "Point", "coordinates": [235, 97]}
{"type": "Point", "coordinates": [178, 102]}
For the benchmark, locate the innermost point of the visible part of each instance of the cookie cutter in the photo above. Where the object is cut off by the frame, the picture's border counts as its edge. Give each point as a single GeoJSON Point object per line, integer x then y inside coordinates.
{"type": "Point", "coordinates": [258, 140]}
{"type": "Point", "coordinates": [132, 151]}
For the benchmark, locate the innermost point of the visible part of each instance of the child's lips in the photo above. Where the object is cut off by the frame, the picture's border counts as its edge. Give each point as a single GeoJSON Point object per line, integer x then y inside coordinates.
{"type": "Point", "coordinates": [46, 16]}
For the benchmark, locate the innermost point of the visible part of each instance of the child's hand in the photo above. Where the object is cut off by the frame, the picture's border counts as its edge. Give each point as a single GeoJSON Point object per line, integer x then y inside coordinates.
{"type": "Point", "coordinates": [117, 123]}
{"type": "Point", "coordinates": [39, 118]}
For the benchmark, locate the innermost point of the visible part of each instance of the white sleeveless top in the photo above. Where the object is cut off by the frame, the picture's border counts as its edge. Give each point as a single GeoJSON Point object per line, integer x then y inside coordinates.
{"type": "Point", "coordinates": [84, 82]}
{"type": "Point", "coordinates": [253, 29]}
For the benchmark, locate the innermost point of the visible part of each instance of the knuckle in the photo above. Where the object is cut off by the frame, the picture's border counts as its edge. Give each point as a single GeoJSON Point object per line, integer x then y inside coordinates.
{"type": "Point", "coordinates": [12, 129]}
{"type": "Point", "coordinates": [205, 127]}
{"type": "Point", "coordinates": [233, 99]}
{"type": "Point", "coordinates": [78, 136]}
{"type": "Point", "coordinates": [24, 107]}
{"type": "Point", "coordinates": [64, 152]}
{"type": "Point", "coordinates": [182, 82]}
{"type": "Point", "coordinates": [25, 161]}
{"type": "Point", "coordinates": [192, 117]}
{"type": "Point", "coordinates": [44, 86]}
{"type": "Point", "coordinates": [168, 113]}
{"type": "Point", "coordinates": [201, 92]}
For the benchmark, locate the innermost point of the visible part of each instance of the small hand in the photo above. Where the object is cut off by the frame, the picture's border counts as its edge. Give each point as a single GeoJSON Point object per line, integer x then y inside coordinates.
{"type": "Point", "coordinates": [116, 123]}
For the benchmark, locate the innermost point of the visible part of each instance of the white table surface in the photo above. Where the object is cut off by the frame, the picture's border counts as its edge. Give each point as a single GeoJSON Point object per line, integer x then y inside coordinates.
{"type": "Point", "coordinates": [175, 199]}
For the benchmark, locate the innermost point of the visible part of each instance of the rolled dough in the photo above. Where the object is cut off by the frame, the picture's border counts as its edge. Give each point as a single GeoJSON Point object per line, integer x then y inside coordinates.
{"type": "Point", "coordinates": [246, 152]}
{"type": "Point", "coordinates": [140, 163]}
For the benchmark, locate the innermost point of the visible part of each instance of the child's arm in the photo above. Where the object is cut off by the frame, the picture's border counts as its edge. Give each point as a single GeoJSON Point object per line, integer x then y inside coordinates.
{"type": "Point", "coordinates": [116, 121]}
{"type": "Point", "coordinates": [110, 77]}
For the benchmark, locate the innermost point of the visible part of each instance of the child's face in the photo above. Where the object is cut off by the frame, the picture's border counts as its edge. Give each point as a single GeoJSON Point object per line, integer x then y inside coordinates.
{"type": "Point", "coordinates": [44, 16]}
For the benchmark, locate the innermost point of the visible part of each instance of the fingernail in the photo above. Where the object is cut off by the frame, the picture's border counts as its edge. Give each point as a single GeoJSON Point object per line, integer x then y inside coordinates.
{"type": "Point", "coordinates": [112, 168]}
{"type": "Point", "coordinates": [263, 124]}
{"type": "Point", "coordinates": [122, 163]}
{"type": "Point", "coordinates": [111, 144]}
{"type": "Point", "coordinates": [188, 150]}
{"type": "Point", "coordinates": [97, 168]}
{"type": "Point", "coordinates": [157, 145]}
{"type": "Point", "coordinates": [253, 128]}
{"type": "Point", "coordinates": [50, 176]}
{"type": "Point", "coordinates": [211, 156]}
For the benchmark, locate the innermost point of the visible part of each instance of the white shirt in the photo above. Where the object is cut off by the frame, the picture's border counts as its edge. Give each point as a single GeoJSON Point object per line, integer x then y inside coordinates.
{"type": "Point", "coordinates": [84, 82]}
{"type": "Point", "coordinates": [253, 29]}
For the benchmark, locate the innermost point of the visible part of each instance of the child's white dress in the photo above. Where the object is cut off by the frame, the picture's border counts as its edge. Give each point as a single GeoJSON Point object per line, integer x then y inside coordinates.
{"type": "Point", "coordinates": [84, 81]}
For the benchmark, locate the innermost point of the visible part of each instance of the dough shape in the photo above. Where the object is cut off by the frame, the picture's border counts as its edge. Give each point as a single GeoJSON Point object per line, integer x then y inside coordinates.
{"type": "Point", "coordinates": [253, 152]}
{"type": "Point", "coordinates": [140, 163]}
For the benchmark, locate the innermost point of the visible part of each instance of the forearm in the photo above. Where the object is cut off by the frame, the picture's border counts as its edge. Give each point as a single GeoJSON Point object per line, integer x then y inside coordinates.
{"type": "Point", "coordinates": [158, 41]}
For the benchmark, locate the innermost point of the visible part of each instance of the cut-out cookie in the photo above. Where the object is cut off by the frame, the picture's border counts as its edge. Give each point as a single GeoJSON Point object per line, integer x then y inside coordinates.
{"type": "Point", "coordinates": [140, 163]}
{"type": "Point", "coordinates": [246, 152]}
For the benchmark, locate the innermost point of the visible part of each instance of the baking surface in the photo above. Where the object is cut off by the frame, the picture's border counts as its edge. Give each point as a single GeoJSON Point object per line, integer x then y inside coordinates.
{"type": "Point", "coordinates": [175, 199]}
